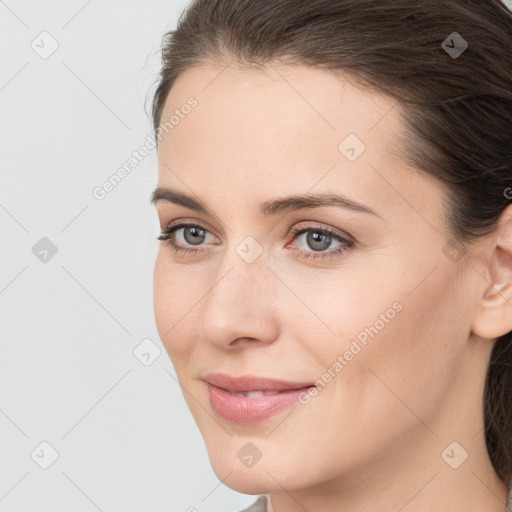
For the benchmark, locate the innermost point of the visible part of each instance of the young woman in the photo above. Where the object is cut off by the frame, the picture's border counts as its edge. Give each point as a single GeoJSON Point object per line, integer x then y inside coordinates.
{"type": "Point", "coordinates": [334, 281]}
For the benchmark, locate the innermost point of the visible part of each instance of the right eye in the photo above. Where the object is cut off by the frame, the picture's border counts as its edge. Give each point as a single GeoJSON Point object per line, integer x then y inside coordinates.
{"type": "Point", "coordinates": [193, 234]}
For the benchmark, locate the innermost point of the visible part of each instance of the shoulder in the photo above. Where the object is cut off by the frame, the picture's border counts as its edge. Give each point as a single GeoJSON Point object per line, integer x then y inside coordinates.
{"type": "Point", "coordinates": [260, 505]}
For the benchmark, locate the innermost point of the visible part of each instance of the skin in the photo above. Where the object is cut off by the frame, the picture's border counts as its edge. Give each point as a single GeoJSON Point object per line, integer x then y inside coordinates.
{"type": "Point", "coordinates": [373, 437]}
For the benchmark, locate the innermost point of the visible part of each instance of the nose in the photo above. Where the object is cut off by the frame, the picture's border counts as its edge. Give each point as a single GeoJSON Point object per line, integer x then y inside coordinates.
{"type": "Point", "coordinates": [241, 305]}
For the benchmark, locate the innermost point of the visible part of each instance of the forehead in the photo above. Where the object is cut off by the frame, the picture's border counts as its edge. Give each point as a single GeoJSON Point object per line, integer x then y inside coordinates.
{"type": "Point", "coordinates": [290, 108]}
{"type": "Point", "coordinates": [283, 130]}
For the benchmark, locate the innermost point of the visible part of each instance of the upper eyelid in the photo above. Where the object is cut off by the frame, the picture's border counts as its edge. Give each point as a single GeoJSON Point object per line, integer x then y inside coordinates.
{"type": "Point", "coordinates": [183, 223]}
{"type": "Point", "coordinates": [335, 232]}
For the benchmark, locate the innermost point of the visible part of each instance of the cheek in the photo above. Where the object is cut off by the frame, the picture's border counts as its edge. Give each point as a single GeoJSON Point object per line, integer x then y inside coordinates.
{"type": "Point", "coordinates": [391, 336]}
{"type": "Point", "coordinates": [337, 308]}
{"type": "Point", "coordinates": [415, 357]}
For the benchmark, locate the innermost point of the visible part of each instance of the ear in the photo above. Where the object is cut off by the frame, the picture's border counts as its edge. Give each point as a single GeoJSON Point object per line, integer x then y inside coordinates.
{"type": "Point", "coordinates": [493, 317]}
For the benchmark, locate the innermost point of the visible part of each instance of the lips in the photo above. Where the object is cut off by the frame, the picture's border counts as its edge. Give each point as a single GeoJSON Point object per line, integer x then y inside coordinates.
{"type": "Point", "coordinates": [253, 386]}
{"type": "Point", "coordinates": [250, 409]}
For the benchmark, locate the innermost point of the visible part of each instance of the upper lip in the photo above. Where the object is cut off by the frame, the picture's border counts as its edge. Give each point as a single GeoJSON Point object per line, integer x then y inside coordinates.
{"type": "Point", "coordinates": [246, 383]}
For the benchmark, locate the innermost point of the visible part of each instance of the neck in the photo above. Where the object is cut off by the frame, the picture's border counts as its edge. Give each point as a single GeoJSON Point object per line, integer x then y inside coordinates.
{"type": "Point", "coordinates": [431, 485]}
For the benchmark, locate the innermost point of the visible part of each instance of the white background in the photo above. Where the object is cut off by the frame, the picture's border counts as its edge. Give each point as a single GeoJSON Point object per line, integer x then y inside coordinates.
{"type": "Point", "coordinates": [68, 326]}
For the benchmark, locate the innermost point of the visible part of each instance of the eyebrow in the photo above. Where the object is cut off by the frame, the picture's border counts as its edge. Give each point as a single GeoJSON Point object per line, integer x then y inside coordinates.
{"type": "Point", "coordinates": [267, 208]}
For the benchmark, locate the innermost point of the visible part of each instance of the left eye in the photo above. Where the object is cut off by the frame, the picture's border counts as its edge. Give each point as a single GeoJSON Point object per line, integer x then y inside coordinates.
{"type": "Point", "coordinates": [318, 239]}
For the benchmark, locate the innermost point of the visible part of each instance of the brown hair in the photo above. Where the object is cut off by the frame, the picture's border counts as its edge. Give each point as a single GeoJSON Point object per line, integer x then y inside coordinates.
{"type": "Point", "coordinates": [457, 106]}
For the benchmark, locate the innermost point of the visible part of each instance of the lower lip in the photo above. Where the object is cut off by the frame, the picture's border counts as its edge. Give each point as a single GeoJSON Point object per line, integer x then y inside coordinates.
{"type": "Point", "coordinates": [250, 410]}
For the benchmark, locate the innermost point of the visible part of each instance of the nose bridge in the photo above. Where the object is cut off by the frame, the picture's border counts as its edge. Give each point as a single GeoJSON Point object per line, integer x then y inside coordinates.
{"type": "Point", "coordinates": [240, 301]}
{"type": "Point", "coordinates": [242, 267]}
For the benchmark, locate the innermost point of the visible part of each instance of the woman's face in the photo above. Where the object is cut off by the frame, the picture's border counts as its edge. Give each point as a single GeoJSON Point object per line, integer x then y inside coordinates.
{"type": "Point", "coordinates": [379, 323]}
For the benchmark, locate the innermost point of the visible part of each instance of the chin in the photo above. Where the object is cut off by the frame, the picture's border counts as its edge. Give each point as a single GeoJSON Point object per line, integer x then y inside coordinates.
{"type": "Point", "coordinates": [263, 477]}
{"type": "Point", "coordinates": [246, 485]}
{"type": "Point", "coordinates": [249, 482]}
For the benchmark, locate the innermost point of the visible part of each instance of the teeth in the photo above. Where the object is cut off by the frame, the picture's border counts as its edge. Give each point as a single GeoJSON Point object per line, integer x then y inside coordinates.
{"type": "Point", "coordinates": [256, 394]}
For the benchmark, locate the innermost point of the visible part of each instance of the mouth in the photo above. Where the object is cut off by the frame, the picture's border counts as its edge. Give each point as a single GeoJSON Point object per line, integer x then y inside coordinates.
{"type": "Point", "coordinates": [250, 400]}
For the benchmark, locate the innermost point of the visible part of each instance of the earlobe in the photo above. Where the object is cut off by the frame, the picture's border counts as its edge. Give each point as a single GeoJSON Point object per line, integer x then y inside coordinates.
{"type": "Point", "coordinates": [494, 315]}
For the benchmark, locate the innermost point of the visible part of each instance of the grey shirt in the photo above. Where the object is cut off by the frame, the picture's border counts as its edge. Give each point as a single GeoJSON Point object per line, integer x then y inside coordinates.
{"type": "Point", "coordinates": [260, 505]}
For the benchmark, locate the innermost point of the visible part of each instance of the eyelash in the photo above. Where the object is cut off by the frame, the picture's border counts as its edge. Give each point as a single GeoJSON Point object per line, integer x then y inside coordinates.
{"type": "Point", "coordinates": [347, 243]}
